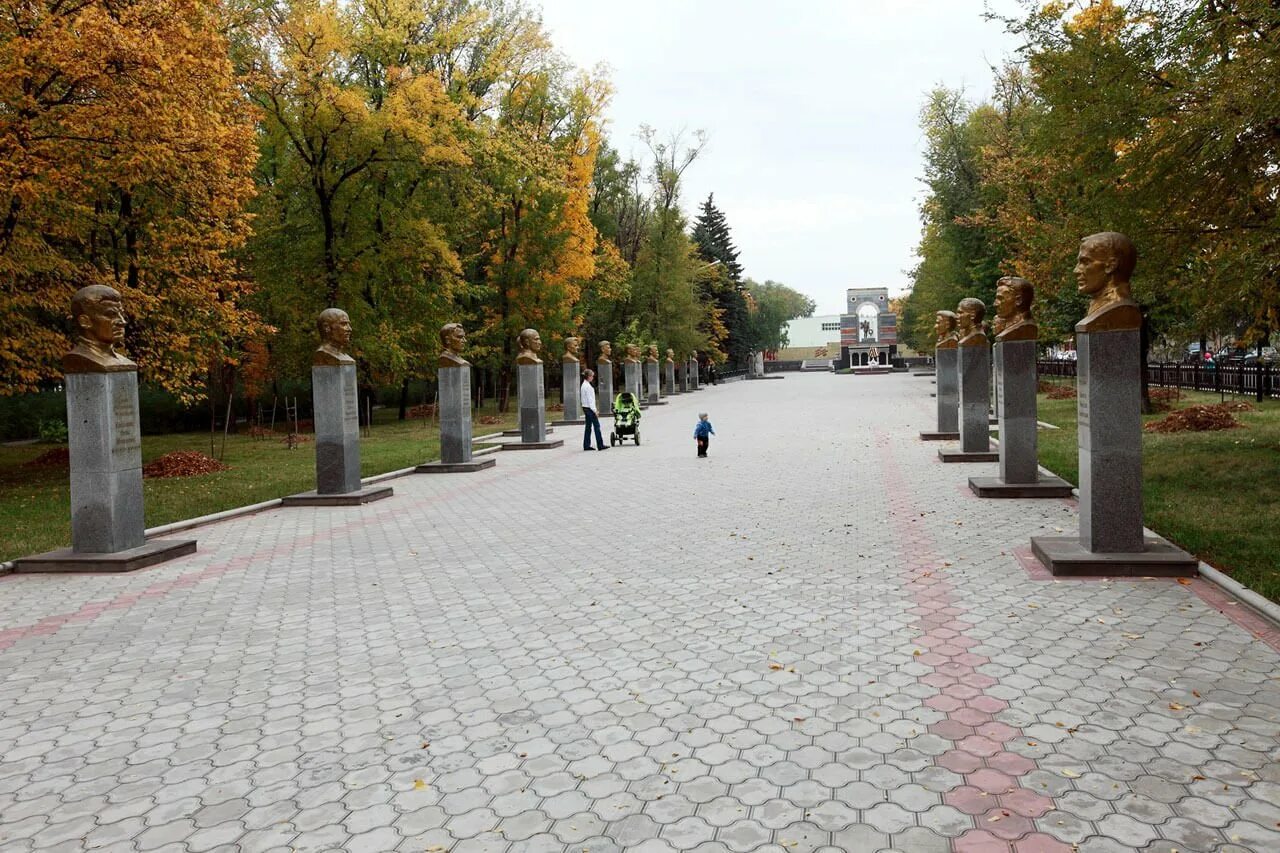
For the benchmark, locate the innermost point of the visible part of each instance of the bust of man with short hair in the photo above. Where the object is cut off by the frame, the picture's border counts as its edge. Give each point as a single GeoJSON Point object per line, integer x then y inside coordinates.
{"type": "Point", "coordinates": [453, 339]}
{"type": "Point", "coordinates": [944, 327]}
{"type": "Point", "coordinates": [1103, 268]}
{"type": "Point", "coordinates": [606, 350]}
{"type": "Point", "coordinates": [653, 354]}
{"type": "Point", "coordinates": [334, 327]}
{"type": "Point", "coordinates": [530, 343]}
{"type": "Point", "coordinates": [969, 316]}
{"type": "Point", "coordinates": [1013, 321]}
{"type": "Point", "coordinates": [671, 356]}
{"type": "Point", "coordinates": [97, 313]}
{"type": "Point", "coordinates": [633, 354]}
{"type": "Point", "coordinates": [571, 350]}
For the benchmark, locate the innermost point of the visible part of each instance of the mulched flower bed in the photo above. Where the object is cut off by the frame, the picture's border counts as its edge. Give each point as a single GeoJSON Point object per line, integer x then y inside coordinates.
{"type": "Point", "coordinates": [1201, 418]}
{"type": "Point", "coordinates": [58, 457]}
{"type": "Point", "coordinates": [182, 463]}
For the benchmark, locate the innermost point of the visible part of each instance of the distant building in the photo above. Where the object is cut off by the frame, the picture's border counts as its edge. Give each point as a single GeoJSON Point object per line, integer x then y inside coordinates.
{"type": "Point", "coordinates": [868, 329]}
{"type": "Point", "coordinates": [810, 339]}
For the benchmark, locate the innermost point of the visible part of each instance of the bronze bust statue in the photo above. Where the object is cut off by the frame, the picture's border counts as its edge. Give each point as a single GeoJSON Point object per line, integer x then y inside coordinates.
{"type": "Point", "coordinates": [98, 316]}
{"type": "Point", "coordinates": [633, 354]}
{"type": "Point", "coordinates": [453, 339]}
{"type": "Point", "coordinates": [969, 316]}
{"type": "Point", "coordinates": [571, 350]}
{"type": "Point", "coordinates": [1013, 321]}
{"type": "Point", "coordinates": [671, 356]}
{"type": "Point", "coordinates": [334, 327]}
{"type": "Point", "coordinates": [606, 350]}
{"type": "Point", "coordinates": [530, 343]}
{"type": "Point", "coordinates": [653, 354]}
{"type": "Point", "coordinates": [1103, 267]}
{"type": "Point", "coordinates": [944, 327]}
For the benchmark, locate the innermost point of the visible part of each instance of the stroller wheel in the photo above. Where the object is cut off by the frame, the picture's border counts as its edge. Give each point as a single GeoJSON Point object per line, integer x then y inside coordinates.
{"type": "Point", "coordinates": [613, 439]}
{"type": "Point", "coordinates": [637, 438]}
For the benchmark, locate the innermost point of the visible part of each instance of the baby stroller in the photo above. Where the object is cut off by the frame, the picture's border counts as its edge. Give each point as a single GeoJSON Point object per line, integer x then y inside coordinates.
{"type": "Point", "coordinates": [626, 419]}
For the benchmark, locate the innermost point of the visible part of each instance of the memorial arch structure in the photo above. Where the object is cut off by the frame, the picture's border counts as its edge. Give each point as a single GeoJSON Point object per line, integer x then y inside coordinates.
{"type": "Point", "coordinates": [868, 328]}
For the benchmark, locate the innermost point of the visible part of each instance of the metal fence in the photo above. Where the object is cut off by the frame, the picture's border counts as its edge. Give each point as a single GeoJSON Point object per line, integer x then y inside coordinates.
{"type": "Point", "coordinates": [1257, 380]}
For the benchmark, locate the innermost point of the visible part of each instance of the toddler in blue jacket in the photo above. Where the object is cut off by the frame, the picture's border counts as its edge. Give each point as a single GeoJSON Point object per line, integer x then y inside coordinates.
{"type": "Point", "coordinates": [702, 434]}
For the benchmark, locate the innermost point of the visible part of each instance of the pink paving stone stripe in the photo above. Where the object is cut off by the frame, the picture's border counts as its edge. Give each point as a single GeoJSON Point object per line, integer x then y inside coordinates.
{"type": "Point", "coordinates": [1237, 612]}
{"type": "Point", "coordinates": [1002, 810]}
{"type": "Point", "coordinates": [92, 610]}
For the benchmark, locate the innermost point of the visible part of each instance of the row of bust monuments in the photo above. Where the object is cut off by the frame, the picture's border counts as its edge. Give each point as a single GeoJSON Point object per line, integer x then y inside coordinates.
{"type": "Point", "coordinates": [1111, 539]}
{"type": "Point", "coordinates": [105, 440]}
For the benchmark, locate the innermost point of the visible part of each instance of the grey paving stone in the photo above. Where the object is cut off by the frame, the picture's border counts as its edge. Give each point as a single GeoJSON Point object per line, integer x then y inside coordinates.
{"type": "Point", "coordinates": [281, 689]}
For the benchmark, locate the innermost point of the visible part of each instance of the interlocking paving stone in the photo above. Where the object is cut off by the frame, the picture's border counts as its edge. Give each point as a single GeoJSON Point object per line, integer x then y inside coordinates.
{"type": "Point", "coordinates": [817, 639]}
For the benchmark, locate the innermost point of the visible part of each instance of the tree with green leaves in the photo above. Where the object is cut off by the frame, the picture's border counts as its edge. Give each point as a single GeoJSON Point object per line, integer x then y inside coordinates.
{"type": "Point", "coordinates": [714, 240]}
{"type": "Point", "coordinates": [772, 306]}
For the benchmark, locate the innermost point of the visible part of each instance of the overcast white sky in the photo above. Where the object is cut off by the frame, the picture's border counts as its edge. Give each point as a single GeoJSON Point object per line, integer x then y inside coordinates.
{"type": "Point", "coordinates": [812, 110]}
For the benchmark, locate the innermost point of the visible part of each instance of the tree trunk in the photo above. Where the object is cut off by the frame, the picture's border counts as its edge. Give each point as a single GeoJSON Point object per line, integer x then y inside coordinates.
{"type": "Point", "coordinates": [330, 249]}
{"type": "Point", "coordinates": [1144, 347]}
{"type": "Point", "coordinates": [404, 399]}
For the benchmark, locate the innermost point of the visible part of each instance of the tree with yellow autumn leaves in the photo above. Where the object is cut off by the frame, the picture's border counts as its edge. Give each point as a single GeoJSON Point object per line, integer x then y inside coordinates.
{"type": "Point", "coordinates": [1152, 117]}
{"type": "Point", "coordinates": [235, 167]}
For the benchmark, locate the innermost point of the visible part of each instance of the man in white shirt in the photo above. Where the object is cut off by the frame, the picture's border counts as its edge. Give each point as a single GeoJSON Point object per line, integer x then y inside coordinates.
{"type": "Point", "coordinates": [588, 395]}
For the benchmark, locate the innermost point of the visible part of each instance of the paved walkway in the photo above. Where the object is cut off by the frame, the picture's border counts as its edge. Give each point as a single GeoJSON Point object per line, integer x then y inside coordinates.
{"type": "Point", "coordinates": [815, 639]}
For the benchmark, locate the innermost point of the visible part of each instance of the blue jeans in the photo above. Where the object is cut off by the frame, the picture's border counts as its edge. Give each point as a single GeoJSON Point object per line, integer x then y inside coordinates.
{"type": "Point", "coordinates": [592, 421]}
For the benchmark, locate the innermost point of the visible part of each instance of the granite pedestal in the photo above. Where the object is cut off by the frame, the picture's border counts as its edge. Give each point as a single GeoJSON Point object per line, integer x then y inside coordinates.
{"type": "Point", "coordinates": [604, 388]}
{"type": "Point", "coordinates": [948, 396]}
{"type": "Point", "coordinates": [571, 395]}
{"type": "Point", "coordinates": [631, 380]}
{"type": "Point", "coordinates": [652, 381]}
{"type": "Point", "coordinates": [669, 378]}
{"type": "Point", "coordinates": [1109, 414]}
{"type": "Point", "coordinates": [533, 411]}
{"type": "Point", "coordinates": [694, 384]}
{"type": "Point", "coordinates": [974, 372]}
{"type": "Point", "coordinates": [686, 380]}
{"type": "Point", "coordinates": [456, 455]}
{"type": "Point", "coordinates": [335, 408]}
{"type": "Point", "coordinates": [1015, 371]}
{"type": "Point", "coordinates": [105, 442]}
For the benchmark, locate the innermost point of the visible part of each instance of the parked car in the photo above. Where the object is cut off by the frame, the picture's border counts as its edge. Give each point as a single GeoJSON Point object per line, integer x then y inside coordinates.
{"type": "Point", "coordinates": [1192, 354]}
{"type": "Point", "coordinates": [1268, 356]}
{"type": "Point", "coordinates": [1231, 355]}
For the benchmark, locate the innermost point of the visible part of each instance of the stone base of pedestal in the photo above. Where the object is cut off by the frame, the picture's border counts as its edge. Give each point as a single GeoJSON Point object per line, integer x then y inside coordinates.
{"type": "Point", "coordinates": [534, 445]}
{"type": "Point", "coordinates": [871, 371]}
{"type": "Point", "coordinates": [1065, 557]}
{"type": "Point", "coordinates": [1045, 487]}
{"type": "Point", "coordinates": [64, 560]}
{"type": "Point", "coordinates": [364, 496]}
{"type": "Point", "coordinates": [939, 436]}
{"type": "Point", "coordinates": [930, 373]}
{"type": "Point", "coordinates": [455, 467]}
{"type": "Point", "coordinates": [768, 376]}
{"type": "Point", "coordinates": [578, 422]}
{"type": "Point", "coordinates": [970, 456]}
{"type": "Point", "coordinates": [515, 432]}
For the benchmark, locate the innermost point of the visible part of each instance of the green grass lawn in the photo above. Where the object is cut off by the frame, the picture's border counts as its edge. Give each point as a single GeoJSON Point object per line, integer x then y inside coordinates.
{"type": "Point", "coordinates": [1216, 494]}
{"type": "Point", "coordinates": [35, 503]}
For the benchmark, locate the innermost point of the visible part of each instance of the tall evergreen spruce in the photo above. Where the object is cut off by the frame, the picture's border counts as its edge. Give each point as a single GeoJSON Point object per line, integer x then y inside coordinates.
{"type": "Point", "coordinates": [715, 243]}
